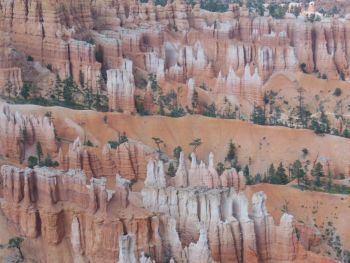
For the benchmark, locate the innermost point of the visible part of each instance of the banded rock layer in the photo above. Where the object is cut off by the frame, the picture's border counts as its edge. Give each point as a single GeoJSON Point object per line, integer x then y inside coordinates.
{"type": "Point", "coordinates": [168, 224]}
{"type": "Point", "coordinates": [234, 52]}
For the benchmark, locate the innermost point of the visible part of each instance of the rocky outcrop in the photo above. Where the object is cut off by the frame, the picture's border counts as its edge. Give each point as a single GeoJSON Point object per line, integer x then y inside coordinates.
{"type": "Point", "coordinates": [20, 134]}
{"type": "Point", "coordinates": [121, 88]}
{"type": "Point", "coordinates": [10, 73]}
{"type": "Point", "coordinates": [234, 52]}
{"type": "Point", "coordinates": [129, 160]}
{"type": "Point", "coordinates": [199, 175]}
{"type": "Point", "coordinates": [51, 204]}
{"type": "Point", "coordinates": [201, 223]}
{"type": "Point", "coordinates": [209, 214]}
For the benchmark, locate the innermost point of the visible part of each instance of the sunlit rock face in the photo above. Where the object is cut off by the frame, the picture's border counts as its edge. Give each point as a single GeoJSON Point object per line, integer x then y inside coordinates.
{"type": "Point", "coordinates": [118, 42]}
{"type": "Point", "coordinates": [116, 203]}
{"type": "Point", "coordinates": [121, 88]}
{"type": "Point", "coordinates": [20, 133]}
{"type": "Point", "coordinates": [173, 219]}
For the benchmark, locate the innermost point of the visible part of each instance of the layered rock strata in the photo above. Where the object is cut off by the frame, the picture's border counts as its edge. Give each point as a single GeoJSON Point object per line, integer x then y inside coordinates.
{"type": "Point", "coordinates": [51, 205]}
{"type": "Point", "coordinates": [202, 223]}
{"type": "Point", "coordinates": [211, 217]}
{"type": "Point", "coordinates": [121, 88]}
{"type": "Point", "coordinates": [235, 52]}
{"type": "Point", "coordinates": [20, 134]}
{"type": "Point", "coordinates": [129, 159]}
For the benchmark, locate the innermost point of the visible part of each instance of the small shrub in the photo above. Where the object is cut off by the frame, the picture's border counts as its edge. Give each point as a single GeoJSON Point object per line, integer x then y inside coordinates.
{"type": "Point", "coordinates": [303, 67]}
{"type": "Point", "coordinates": [305, 151]}
{"type": "Point", "coordinates": [220, 168]}
{"type": "Point", "coordinates": [48, 162]}
{"type": "Point", "coordinates": [171, 170]}
{"type": "Point", "coordinates": [49, 67]}
{"type": "Point", "coordinates": [337, 92]}
{"type": "Point", "coordinates": [30, 59]}
{"type": "Point", "coordinates": [89, 143]}
{"type": "Point", "coordinates": [32, 161]}
{"type": "Point", "coordinates": [177, 150]}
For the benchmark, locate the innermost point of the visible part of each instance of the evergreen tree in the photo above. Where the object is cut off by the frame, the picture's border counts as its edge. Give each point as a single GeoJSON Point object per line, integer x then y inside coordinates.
{"type": "Point", "coordinates": [324, 122]}
{"type": "Point", "coordinates": [258, 116]}
{"type": "Point", "coordinates": [8, 88]}
{"type": "Point", "coordinates": [171, 170]}
{"type": "Point", "coordinates": [231, 154]}
{"type": "Point", "coordinates": [16, 242]}
{"type": "Point", "coordinates": [25, 91]}
{"type": "Point", "coordinates": [298, 171]}
{"type": "Point", "coordinates": [249, 179]}
{"type": "Point", "coordinates": [281, 175]}
{"type": "Point", "coordinates": [154, 83]}
{"type": "Point", "coordinates": [195, 144]}
{"type": "Point", "coordinates": [57, 92]}
{"type": "Point", "coordinates": [220, 168]}
{"type": "Point", "coordinates": [158, 142]}
{"type": "Point", "coordinates": [330, 179]}
{"type": "Point", "coordinates": [177, 152]}
{"type": "Point", "coordinates": [32, 161]}
{"type": "Point", "coordinates": [210, 111]}
{"type": "Point", "coordinates": [317, 172]}
{"type": "Point", "coordinates": [195, 99]}
{"type": "Point", "coordinates": [69, 89]}
{"type": "Point", "coordinates": [271, 173]}
{"type": "Point", "coordinates": [100, 102]}
{"type": "Point", "coordinates": [346, 133]}
{"type": "Point", "coordinates": [89, 96]}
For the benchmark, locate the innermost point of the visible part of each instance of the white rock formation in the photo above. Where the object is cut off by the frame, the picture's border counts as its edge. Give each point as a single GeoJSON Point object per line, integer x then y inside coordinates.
{"type": "Point", "coordinates": [121, 88]}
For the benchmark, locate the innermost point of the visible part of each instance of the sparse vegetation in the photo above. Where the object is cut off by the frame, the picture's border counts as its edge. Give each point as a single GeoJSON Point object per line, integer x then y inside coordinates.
{"type": "Point", "coordinates": [231, 156]}
{"type": "Point", "coordinates": [337, 92]}
{"type": "Point", "coordinates": [32, 161]}
{"type": "Point", "coordinates": [258, 116]}
{"type": "Point", "coordinates": [277, 11]}
{"type": "Point", "coordinates": [214, 6]}
{"type": "Point", "coordinates": [122, 138]}
{"type": "Point", "coordinates": [195, 144]}
{"type": "Point", "coordinates": [210, 111]}
{"type": "Point", "coordinates": [171, 170]}
{"type": "Point", "coordinates": [177, 150]}
{"type": "Point", "coordinates": [16, 243]}
{"type": "Point", "coordinates": [48, 162]}
{"type": "Point", "coordinates": [220, 168]}
{"type": "Point", "coordinates": [317, 172]}
{"type": "Point", "coordinates": [158, 142]}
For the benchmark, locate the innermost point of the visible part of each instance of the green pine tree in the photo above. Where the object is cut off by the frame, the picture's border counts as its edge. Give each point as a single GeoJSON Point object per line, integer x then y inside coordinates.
{"type": "Point", "coordinates": [281, 175]}
{"type": "Point", "coordinates": [318, 172]}
{"type": "Point", "coordinates": [298, 171]}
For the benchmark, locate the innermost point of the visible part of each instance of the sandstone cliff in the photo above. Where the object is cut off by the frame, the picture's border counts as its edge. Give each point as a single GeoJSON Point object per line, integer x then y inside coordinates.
{"type": "Point", "coordinates": [235, 52]}
{"type": "Point", "coordinates": [163, 223]}
{"type": "Point", "coordinates": [20, 134]}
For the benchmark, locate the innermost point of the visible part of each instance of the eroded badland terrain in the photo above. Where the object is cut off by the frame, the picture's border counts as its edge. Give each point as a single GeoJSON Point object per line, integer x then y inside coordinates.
{"type": "Point", "coordinates": [108, 108]}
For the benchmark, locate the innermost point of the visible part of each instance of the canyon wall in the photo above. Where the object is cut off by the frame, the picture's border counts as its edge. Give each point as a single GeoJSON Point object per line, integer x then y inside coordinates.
{"type": "Point", "coordinates": [196, 222]}
{"type": "Point", "coordinates": [21, 134]}
{"type": "Point", "coordinates": [128, 159]}
{"type": "Point", "coordinates": [234, 52]}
